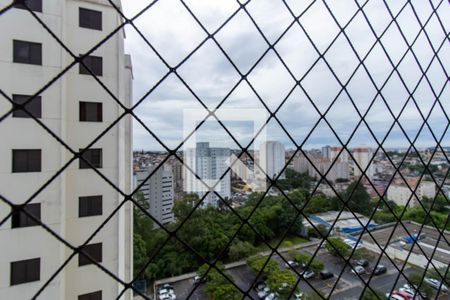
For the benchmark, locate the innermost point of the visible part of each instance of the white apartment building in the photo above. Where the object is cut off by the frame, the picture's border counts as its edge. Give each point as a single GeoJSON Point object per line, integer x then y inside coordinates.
{"type": "Point", "coordinates": [362, 157]}
{"type": "Point", "coordinates": [271, 159]}
{"type": "Point", "coordinates": [339, 170]}
{"type": "Point", "coordinates": [209, 164]}
{"type": "Point", "coordinates": [158, 192]}
{"type": "Point", "coordinates": [400, 193]}
{"type": "Point", "coordinates": [76, 109]}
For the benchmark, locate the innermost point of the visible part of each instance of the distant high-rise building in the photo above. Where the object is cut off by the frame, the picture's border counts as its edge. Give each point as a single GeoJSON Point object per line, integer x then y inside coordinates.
{"type": "Point", "coordinates": [326, 152]}
{"type": "Point", "coordinates": [335, 152]}
{"type": "Point", "coordinates": [339, 170]}
{"type": "Point", "coordinates": [272, 159]}
{"type": "Point", "coordinates": [362, 157]}
{"type": "Point", "coordinates": [77, 110]}
{"type": "Point", "coordinates": [177, 170]}
{"type": "Point", "coordinates": [209, 164]}
{"type": "Point", "coordinates": [158, 192]}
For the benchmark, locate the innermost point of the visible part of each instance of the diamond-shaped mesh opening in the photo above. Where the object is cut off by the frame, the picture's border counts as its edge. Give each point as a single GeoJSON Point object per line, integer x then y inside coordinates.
{"type": "Point", "coordinates": [323, 171]}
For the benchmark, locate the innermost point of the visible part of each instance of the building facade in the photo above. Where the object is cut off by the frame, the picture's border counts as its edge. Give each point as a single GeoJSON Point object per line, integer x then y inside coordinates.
{"type": "Point", "coordinates": [272, 159]}
{"type": "Point", "coordinates": [77, 200]}
{"type": "Point", "coordinates": [400, 193]}
{"type": "Point", "coordinates": [210, 164]}
{"type": "Point", "coordinates": [363, 158]}
{"type": "Point", "coordinates": [158, 191]}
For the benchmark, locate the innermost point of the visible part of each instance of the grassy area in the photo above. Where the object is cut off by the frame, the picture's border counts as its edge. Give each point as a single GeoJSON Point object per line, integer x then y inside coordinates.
{"type": "Point", "coordinates": [289, 241]}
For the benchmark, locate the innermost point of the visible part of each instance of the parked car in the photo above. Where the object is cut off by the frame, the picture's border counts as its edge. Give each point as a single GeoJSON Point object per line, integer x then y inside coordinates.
{"type": "Point", "coordinates": [307, 274]}
{"type": "Point", "coordinates": [326, 274]}
{"type": "Point", "coordinates": [271, 296]}
{"type": "Point", "coordinates": [394, 297]}
{"type": "Point", "coordinates": [436, 284]}
{"type": "Point", "coordinates": [199, 279]}
{"type": "Point", "coordinates": [358, 270]}
{"type": "Point", "coordinates": [259, 286]}
{"type": "Point", "coordinates": [362, 262]}
{"type": "Point", "coordinates": [292, 264]}
{"type": "Point", "coordinates": [380, 269]}
{"type": "Point", "coordinates": [167, 296]}
{"type": "Point", "coordinates": [298, 296]}
{"type": "Point", "coordinates": [163, 291]}
{"type": "Point", "coordinates": [263, 293]}
{"type": "Point", "coordinates": [166, 286]}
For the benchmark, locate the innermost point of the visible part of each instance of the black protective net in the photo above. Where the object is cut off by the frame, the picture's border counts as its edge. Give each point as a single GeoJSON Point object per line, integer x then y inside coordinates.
{"type": "Point", "coordinates": [425, 76]}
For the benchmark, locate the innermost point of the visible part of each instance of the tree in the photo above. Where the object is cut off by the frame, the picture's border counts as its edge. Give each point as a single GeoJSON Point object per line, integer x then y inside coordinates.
{"type": "Point", "coordinates": [372, 295]}
{"type": "Point", "coordinates": [281, 281]}
{"type": "Point", "coordinates": [359, 199]}
{"type": "Point", "coordinates": [139, 253]}
{"type": "Point", "coordinates": [305, 258]}
{"type": "Point", "coordinates": [240, 249]}
{"type": "Point", "coordinates": [256, 263]}
{"type": "Point", "coordinates": [424, 288]}
{"type": "Point", "coordinates": [294, 180]}
{"type": "Point", "coordinates": [337, 247]}
{"type": "Point", "coordinates": [182, 208]}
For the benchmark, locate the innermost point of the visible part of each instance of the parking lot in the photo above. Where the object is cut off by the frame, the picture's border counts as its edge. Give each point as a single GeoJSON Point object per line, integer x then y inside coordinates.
{"type": "Point", "coordinates": [428, 239]}
{"type": "Point", "coordinates": [349, 285]}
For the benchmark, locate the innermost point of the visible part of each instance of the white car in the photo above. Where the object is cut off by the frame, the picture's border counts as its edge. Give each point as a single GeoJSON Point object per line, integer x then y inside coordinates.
{"type": "Point", "coordinates": [271, 296]}
{"type": "Point", "coordinates": [165, 291]}
{"type": "Point", "coordinates": [358, 270]}
{"type": "Point", "coordinates": [307, 274]}
{"type": "Point", "coordinates": [167, 296]}
{"type": "Point", "coordinates": [263, 292]}
{"type": "Point", "coordinates": [436, 284]}
{"type": "Point", "coordinates": [292, 264]}
{"type": "Point", "coordinates": [298, 296]}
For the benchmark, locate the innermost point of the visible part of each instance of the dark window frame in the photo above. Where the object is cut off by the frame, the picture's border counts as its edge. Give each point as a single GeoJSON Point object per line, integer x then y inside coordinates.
{"type": "Point", "coordinates": [19, 219]}
{"type": "Point", "coordinates": [34, 107]}
{"type": "Point", "coordinates": [88, 154]}
{"type": "Point", "coordinates": [90, 111]}
{"type": "Point", "coordinates": [89, 206]}
{"type": "Point", "coordinates": [94, 63]}
{"type": "Point", "coordinates": [97, 295]}
{"type": "Point", "coordinates": [25, 164]}
{"type": "Point", "coordinates": [90, 19]}
{"type": "Point", "coordinates": [33, 55]}
{"type": "Point", "coordinates": [34, 5]}
{"type": "Point", "coordinates": [95, 251]}
{"type": "Point", "coordinates": [24, 271]}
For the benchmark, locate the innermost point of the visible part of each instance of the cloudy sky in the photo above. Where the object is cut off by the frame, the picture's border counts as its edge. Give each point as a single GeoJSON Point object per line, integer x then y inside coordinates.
{"type": "Point", "coordinates": [210, 75]}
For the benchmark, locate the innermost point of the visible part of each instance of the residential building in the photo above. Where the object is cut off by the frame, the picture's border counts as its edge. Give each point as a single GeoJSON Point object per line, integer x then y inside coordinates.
{"type": "Point", "coordinates": [157, 189]}
{"type": "Point", "coordinates": [76, 109]}
{"type": "Point", "coordinates": [400, 193]}
{"type": "Point", "coordinates": [362, 156]}
{"type": "Point", "coordinates": [271, 159]}
{"type": "Point", "coordinates": [210, 164]}
{"type": "Point", "coordinates": [320, 166]}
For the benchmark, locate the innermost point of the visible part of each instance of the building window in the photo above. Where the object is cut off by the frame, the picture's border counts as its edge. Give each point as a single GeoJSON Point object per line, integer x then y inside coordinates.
{"type": "Point", "coordinates": [91, 112]}
{"type": "Point", "coordinates": [89, 18]}
{"type": "Point", "coordinates": [94, 251]}
{"type": "Point", "coordinates": [21, 219]}
{"type": "Point", "coordinates": [25, 271]}
{"type": "Point", "coordinates": [34, 5]}
{"type": "Point", "coordinates": [34, 107]}
{"type": "Point", "coordinates": [27, 52]}
{"type": "Point", "coordinates": [94, 63]}
{"type": "Point", "coordinates": [94, 156]}
{"type": "Point", "coordinates": [26, 160]}
{"type": "Point", "coordinates": [90, 206]}
{"type": "Point", "coordinates": [91, 296]}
